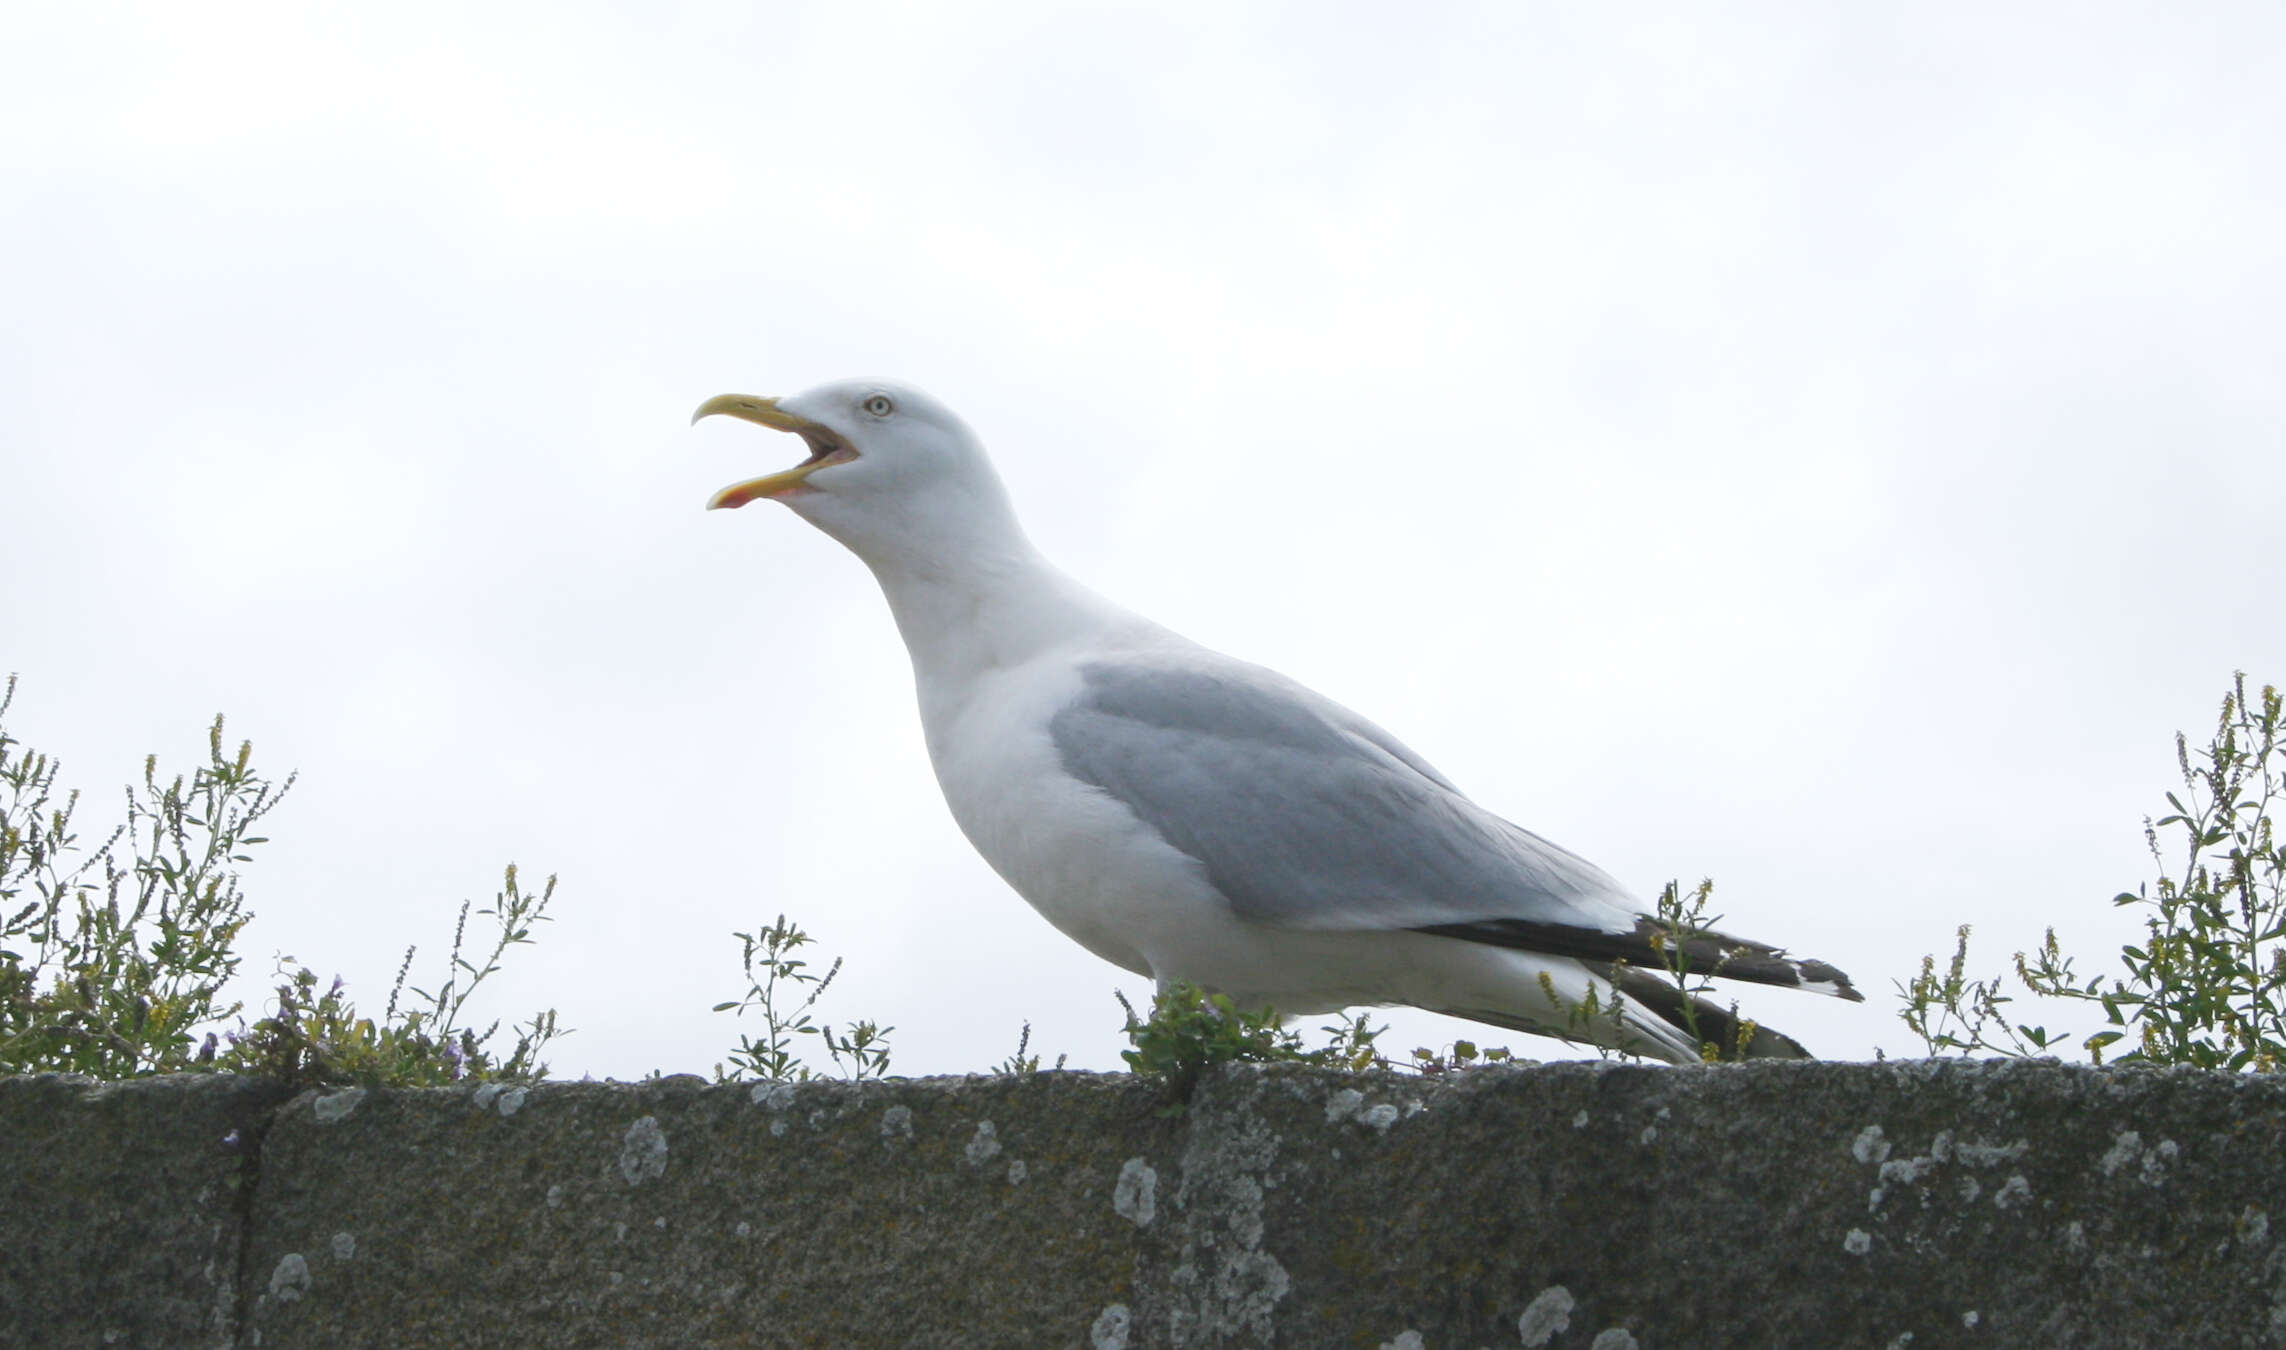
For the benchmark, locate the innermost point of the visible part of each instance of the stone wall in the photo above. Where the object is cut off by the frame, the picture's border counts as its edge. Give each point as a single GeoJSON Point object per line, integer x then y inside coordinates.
{"type": "Point", "coordinates": [1596, 1206]}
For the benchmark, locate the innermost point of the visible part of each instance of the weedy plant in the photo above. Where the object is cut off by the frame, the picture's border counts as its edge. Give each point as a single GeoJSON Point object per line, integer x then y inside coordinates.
{"type": "Point", "coordinates": [1456, 1057]}
{"type": "Point", "coordinates": [1352, 1042]}
{"type": "Point", "coordinates": [314, 1037]}
{"type": "Point", "coordinates": [1683, 921]}
{"type": "Point", "coordinates": [1599, 1019]}
{"type": "Point", "coordinates": [1190, 1031]}
{"type": "Point", "coordinates": [114, 956]}
{"type": "Point", "coordinates": [782, 989]}
{"type": "Point", "coordinates": [1023, 1061]}
{"type": "Point", "coordinates": [2206, 986]}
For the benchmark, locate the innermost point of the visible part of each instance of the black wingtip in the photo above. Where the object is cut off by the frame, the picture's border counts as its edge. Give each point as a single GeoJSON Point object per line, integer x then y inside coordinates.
{"type": "Point", "coordinates": [1733, 1037]}
{"type": "Point", "coordinates": [1709, 953]}
{"type": "Point", "coordinates": [1835, 981]}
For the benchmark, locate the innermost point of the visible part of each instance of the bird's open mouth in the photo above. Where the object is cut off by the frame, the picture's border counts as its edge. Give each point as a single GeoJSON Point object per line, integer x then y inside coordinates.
{"type": "Point", "coordinates": [825, 448]}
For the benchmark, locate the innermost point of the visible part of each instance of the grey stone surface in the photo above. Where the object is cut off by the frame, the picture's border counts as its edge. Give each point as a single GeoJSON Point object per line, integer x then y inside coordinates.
{"type": "Point", "coordinates": [122, 1206]}
{"type": "Point", "coordinates": [1579, 1205]}
{"type": "Point", "coordinates": [1925, 1203]}
{"type": "Point", "coordinates": [677, 1214]}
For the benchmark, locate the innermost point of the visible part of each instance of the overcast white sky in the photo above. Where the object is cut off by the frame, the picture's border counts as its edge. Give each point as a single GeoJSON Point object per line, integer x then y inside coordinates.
{"type": "Point", "coordinates": [1828, 448]}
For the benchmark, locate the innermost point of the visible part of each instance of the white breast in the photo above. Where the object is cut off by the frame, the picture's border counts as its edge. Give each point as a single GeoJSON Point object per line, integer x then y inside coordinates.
{"type": "Point", "coordinates": [1082, 859]}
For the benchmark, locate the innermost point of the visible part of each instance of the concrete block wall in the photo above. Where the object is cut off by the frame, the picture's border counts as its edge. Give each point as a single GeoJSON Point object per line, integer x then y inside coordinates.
{"type": "Point", "coordinates": [1586, 1205]}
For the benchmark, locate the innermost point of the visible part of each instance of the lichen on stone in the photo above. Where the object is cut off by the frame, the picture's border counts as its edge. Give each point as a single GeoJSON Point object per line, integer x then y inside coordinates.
{"type": "Point", "coordinates": [335, 1106]}
{"type": "Point", "coordinates": [290, 1281]}
{"type": "Point", "coordinates": [1134, 1197]}
{"type": "Point", "coordinates": [1111, 1328]}
{"type": "Point", "coordinates": [984, 1147]}
{"type": "Point", "coordinates": [1545, 1316]}
{"type": "Point", "coordinates": [1870, 1147]}
{"type": "Point", "coordinates": [643, 1152]}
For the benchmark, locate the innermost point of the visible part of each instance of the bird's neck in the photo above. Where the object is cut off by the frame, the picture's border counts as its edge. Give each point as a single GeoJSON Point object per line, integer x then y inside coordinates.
{"type": "Point", "coordinates": [970, 594]}
{"type": "Point", "coordinates": [986, 611]}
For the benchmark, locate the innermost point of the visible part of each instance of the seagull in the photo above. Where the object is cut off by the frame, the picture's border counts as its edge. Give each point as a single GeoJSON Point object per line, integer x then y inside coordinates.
{"type": "Point", "coordinates": [1191, 817]}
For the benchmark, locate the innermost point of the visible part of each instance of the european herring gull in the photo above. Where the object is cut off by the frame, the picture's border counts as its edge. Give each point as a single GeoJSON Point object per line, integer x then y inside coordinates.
{"type": "Point", "coordinates": [1188, 816]}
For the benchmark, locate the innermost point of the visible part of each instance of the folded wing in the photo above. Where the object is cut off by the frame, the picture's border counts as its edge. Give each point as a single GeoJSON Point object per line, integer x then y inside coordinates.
{"type": "Point", "coordinates": [1306, 815]}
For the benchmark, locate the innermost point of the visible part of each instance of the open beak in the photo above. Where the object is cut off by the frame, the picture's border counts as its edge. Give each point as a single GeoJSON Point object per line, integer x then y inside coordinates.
{"type": "Point", "coordinates": [825, 448]}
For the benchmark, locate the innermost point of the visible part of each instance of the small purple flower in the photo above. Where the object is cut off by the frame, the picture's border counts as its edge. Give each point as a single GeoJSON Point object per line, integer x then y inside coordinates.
{"type": "Point", "coordinates": [230, 1140]}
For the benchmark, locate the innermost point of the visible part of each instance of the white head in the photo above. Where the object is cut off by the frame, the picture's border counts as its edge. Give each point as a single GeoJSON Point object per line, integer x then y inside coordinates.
{"type": "Point", "coordinates": [893, 474]}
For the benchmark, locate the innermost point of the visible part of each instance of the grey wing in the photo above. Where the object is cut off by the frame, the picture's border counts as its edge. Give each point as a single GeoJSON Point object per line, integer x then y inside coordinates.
{"type": "Point", "coordinates": [1306, 815]}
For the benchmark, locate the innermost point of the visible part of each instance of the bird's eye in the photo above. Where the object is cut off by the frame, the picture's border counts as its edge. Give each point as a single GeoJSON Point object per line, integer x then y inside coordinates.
{"type": "Point", "coordinates": [878, 406]}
